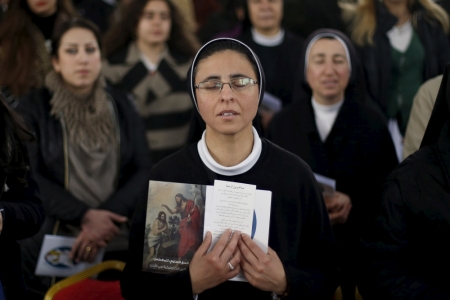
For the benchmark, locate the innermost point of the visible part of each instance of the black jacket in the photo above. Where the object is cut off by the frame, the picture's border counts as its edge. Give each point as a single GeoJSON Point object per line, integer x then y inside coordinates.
{"type": "Point", "coordinates": [23, 215]}
{"type": "Point", "coordinates": [358, 153]}
{"type": "Point", "coordinates": [376, 58]}
{"type": "Point", "coordinates": [48, 159]}
{"type": "Point", "coordinates": [409, 257]}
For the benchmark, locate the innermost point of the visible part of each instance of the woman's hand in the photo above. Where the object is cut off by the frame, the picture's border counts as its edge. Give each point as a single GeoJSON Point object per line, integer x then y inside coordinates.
{"type": "Point", "coordinates": [208, 270]}
{"type": "Point", "coordinates": [338, 207]}
{"type": "Point", "coordinates": [100, 223]}
{"type": "Point", "coordinates": [86, 247]}
{"type": "Point", "coordinates": [97, 229]}
{"type": "Point", "coordinates": [262, 270]}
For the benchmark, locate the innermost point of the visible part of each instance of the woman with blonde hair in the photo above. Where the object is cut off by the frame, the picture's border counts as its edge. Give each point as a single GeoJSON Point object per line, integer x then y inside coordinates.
{"type": "Point", "coordinates": [401, 44]}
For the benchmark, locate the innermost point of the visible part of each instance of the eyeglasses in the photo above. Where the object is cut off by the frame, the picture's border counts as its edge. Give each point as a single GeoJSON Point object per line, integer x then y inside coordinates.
{"type": "Point", "coordinates": [238, 86]}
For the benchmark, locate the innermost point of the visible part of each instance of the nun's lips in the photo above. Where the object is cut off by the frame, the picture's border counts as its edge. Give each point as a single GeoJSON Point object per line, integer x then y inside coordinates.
{"type": "Point", "coordinates": [227, 113]}
{"type": "Point", "coordinates": [330, 83]}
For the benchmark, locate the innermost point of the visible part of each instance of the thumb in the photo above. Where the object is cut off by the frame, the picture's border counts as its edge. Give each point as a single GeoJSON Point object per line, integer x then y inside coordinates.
{"type": "Point", "coordinates": [205, 244]}
{"type": "Point", "coordinates": [117, 218]}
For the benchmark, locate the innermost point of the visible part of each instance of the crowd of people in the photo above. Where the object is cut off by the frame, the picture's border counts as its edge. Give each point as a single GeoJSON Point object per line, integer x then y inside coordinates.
{"type": "Point", "coordinates": [99, 97]}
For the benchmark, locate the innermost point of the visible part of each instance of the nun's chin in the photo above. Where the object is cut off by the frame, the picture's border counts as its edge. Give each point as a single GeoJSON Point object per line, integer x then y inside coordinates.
{"type": "Point", "coordinates": [229, 129]}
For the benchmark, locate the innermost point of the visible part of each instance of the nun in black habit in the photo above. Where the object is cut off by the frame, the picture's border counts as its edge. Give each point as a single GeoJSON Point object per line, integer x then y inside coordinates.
{"type": "Point", "coordinates": [336, 131]}
{"type": "Point", "coordinates": [407, 257]}
{"type": "Point", "coordinates": [226, 85]}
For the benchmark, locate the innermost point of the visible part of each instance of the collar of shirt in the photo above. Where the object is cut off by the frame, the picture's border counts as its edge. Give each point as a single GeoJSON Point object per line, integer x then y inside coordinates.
{"type": "Point", "coordinates": [240, 168]}
{"type": "Point", "coordinates": [268, 41]}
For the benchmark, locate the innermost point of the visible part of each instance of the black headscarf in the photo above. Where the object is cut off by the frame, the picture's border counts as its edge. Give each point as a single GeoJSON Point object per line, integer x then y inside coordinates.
{"type": "Point", "coordinates": [441, 112]}
{"type": "Point", "coordinates": [356, 87]}
{"type": "Point", "coordinates": [197, 124]}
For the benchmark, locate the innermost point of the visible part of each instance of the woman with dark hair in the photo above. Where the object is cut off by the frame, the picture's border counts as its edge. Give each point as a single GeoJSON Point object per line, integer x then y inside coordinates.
{"type": "Point", "coordinates": [91, 158]}
{"type": "Point", "coordinates": [340, 136]}
{"type": "Point", "coordinates": [148, 54]}
{"type": "Point", "coordinates": [406, 257]}
{"type": "Point", "coordinates": [226, 83]}
{"type": "Point", "coordinates": [25, 33]}
{"type": "Point", "coordinates": [21, 211]}
{"type": "Point", "coordinates": [402, 44]}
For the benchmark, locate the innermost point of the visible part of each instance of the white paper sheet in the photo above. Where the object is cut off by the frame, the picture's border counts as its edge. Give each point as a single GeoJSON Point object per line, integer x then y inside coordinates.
{"type": "Point", "coordinates": [54, 257]}
{"type": "Point", "coordinates": [260, 219]}
{"type": "Point", "coordinates": [232, 207]}
{"type": "Point", "coordinates": [327, 184]}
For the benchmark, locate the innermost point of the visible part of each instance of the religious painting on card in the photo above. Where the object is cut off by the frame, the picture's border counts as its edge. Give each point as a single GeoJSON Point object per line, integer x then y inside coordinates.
{"type": "Point", "coordinates": [174, 225]}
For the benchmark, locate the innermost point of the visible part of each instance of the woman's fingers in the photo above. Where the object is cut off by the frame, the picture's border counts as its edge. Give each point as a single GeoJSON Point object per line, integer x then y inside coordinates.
{"type": "Point", "coordinates": [75, 248]}
{"type": "Point", "coordinates": [92, 254]}
{"type": "Point", "coordinates": [222, 243]}
{"type": "Point", "coordinates": [235, 260]}
{"type": "Point", "coordinates": [250, 251]}
{"type": "Point", "coordinates": [230, 248]}
{"type": "Point", "coordinates": [203, 249]}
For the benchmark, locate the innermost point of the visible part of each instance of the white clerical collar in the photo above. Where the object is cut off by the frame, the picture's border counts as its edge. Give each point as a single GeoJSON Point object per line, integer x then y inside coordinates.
{"type": "Point", "coordinates": [326, 108]}
{"type": "Point", "coordinates": [268, 41]}
{"type": "Point", "coordinates": [240, 168]}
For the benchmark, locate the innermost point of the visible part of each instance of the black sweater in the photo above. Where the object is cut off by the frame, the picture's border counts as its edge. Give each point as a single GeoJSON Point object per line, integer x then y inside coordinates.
{"type": "Point", "coordinates": [281, 64]}
{"type": "Point", "coordinates": [299, 232]}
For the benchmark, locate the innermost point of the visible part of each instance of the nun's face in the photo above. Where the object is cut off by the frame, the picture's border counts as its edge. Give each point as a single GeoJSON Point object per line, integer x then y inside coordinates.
{"type": "Point", "coordinates": [227, 111]}
{"type": "Point", "coordinates": [328, 71]}
{"type": "Point", "coordinates": [266, 15]}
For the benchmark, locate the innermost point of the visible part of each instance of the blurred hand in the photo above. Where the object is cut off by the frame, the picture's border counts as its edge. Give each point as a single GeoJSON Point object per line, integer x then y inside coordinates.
{"type": "Point", "coordinates": [338, 207]}
{"type": "Point", "coordinates": [97, 229]}
{"type": "Point", "coordinates": [262, 270]}
{"type": "Point", "coordinates": [208, 270]}
{"type": "Point", "coordinates": [266, 117]}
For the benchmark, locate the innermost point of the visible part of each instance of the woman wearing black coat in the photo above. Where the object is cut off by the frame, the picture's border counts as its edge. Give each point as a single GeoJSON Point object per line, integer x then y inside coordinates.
{"type": "Point", "coordinates": [407, 256]}
{"type": "Point", "coordinates": [355, 149]}
{"type": "Point", "coordinates": [21, 211]}
{"type": "Point", "coordinates": [91, 158]}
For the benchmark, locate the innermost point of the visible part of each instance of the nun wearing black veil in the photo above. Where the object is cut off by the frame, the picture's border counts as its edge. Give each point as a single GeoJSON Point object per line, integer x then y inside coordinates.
{"type": "Point", "coordinates": [408, 256]}
{"type": "Point", "coordinates": [226, 85]}
{"type": "Point", "coordinates": [333, 128]}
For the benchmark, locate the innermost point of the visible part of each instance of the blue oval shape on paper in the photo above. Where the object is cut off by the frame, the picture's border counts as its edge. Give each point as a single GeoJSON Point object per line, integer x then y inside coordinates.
{"type": "Point", "coordinates": [59, 257]}
{"type": "Point", "coordinates": [254, 224]}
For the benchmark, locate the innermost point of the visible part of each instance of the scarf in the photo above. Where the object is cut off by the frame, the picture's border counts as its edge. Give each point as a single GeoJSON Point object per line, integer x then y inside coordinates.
{"type": "Point", "coordinates": [88, 117]}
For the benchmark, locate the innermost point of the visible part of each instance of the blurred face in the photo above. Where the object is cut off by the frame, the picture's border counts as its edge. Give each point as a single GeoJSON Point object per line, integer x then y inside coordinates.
{"type": "Point", "coordinates": [78, 60]}
{"type": "Point", "coordinates": [178, 200]}
{"type": "Point", "coordinates": [42, 8]}
{"type": "Point", "coordinates": [228, 111]}
{"type": "Point", "coordinates": [328, 71]}
{"type": "Point", "coordinates": [266, 15]}
{"type": "Point", "coordinates": [155, 23]}
{"type": "Point", "coordinates": [163, 217]}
